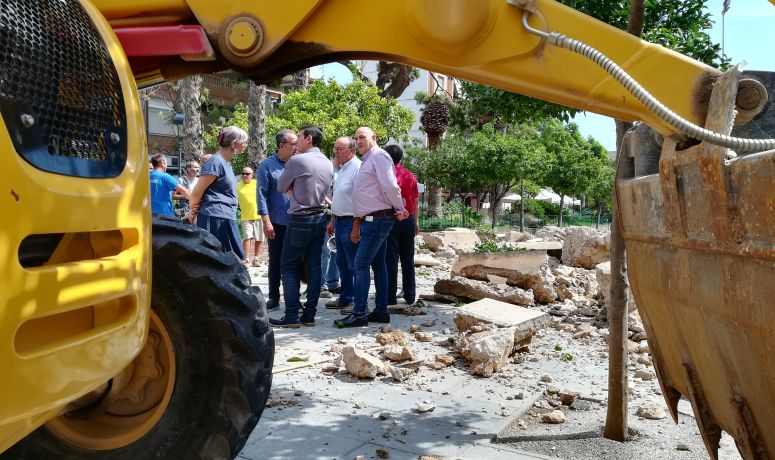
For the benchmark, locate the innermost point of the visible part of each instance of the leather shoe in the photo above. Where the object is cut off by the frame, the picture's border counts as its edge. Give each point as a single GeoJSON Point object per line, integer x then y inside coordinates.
{"type": "Point", "coordinates": [352, 320]}
{"type": "Point", "coordinates": [271, 304]}
{"type": "Point", "coordinates": [335, 290]}
{"type": "Point", "coordinates": [307, 321]}
{"type": "Point", "coordinates": [285, 322]}
{"type": "Point", "coordinates": [379, 317]}
{"type": "Point", "coordinates": [335, 305]}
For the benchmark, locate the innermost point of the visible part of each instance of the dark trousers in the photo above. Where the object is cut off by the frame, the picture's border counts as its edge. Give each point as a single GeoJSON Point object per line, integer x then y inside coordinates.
{"type": "Point", "coordinates": [275, 259]}
{"type": "Point", "coordinates": [400, 246]}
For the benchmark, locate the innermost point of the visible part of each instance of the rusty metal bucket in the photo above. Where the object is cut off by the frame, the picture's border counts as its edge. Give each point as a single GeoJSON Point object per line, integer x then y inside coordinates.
{"type": "Point", "coordinates": [700, 240]}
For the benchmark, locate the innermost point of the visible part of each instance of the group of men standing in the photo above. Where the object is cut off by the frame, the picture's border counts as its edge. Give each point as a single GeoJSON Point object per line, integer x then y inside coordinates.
{"type": "Point", "coordinates": [372, 218]}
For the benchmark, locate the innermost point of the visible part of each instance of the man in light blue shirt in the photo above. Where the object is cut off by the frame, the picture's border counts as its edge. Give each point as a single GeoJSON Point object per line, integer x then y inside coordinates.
{"type": "Point", "coordinates": [273, 208]}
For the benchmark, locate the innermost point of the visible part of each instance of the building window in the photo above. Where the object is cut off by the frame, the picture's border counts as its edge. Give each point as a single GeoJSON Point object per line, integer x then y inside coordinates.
{"type": "Point", "coordinates": [160, 118]}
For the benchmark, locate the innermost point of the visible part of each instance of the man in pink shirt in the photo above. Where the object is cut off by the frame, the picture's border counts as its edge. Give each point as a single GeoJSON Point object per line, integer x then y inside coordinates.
{"type": "Point", "coordinates": [377, 203]}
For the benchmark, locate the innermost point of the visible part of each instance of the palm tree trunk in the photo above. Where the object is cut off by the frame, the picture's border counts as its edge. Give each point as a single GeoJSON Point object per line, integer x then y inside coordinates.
{"type": "Point", "coordinates": [189, 91]}
{"type": "Point", "coordinates": [256, 124]}
{"type": "Point", "coordinates": [300, 79]}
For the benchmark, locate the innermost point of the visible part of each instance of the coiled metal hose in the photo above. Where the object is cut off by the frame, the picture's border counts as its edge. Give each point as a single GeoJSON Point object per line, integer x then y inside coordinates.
{"type": "Point", "coordinates": [681, 124]}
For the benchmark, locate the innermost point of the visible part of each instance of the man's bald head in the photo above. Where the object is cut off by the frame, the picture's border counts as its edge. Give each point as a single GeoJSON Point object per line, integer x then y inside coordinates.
{"type": "Point", "coordinates": [365, 139]}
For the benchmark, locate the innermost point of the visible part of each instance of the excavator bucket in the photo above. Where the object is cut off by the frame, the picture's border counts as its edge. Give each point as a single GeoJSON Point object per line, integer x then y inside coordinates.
{"type": "Point", "coordinates": [699, 227]}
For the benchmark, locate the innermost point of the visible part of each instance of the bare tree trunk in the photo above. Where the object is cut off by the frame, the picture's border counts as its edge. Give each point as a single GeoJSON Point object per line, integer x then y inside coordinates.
{"type": "Point", "coordinates": [522, 206]}
{"type": "Point", "coordinates": [616, 418]}
{"type": "Point", "coordinates": [189, 90]}
{"type": "Point", "coordinates": [599, 214]}
{"type": "Point", "coordinates": [559, 217]}
{"type": "Point", "coordinates": [256, 126]}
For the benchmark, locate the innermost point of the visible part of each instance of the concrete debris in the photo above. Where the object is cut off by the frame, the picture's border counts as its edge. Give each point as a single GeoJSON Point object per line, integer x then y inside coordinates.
{"type": "Point", "coordinates": [429, 323]}
{"type": "Point", "coordinates": [457, 239]}
{"type": "Point", "coordinates": [426, 261]}
{"type": "Point", "coordinates": [568, 397]}
{"type": "Point", "coordinates": [487, 351]}
{"type": "Point", "coordinates": [468, 290]}
{"type": "Point", "coordinates": [644, 374]}
{"type": "Point", "coordinates": [525, 322]}
{"type": "Point", "coordinates": [424, 406]}
{"type": "Point", "coordinates": [414, 328]}
{"type": "Point", "coordinates": [401, 373]}
{"type": "Point", "coordinates": [585, 247]}
{"type": "Point", "coordinates": [554, 417]}
{"type": "Point", "coordinates": [384, 415]}
{"type": "Point", "coordinates": [446, 360]}
{"type": "Point", "coordinates": [360, 364]}
{"type": "Point", "coordinates": [651, 411]}
{"type": "Point", "coordinates": [383, 453]}
{"type": "Point", "coordinates": [423, 336]}
{"type": "Point", "coordinates": [603, 277]}
{"type": "Point", "coordinates": [398, 353]}
{"type": "Point", "coordinates": [385, 338]}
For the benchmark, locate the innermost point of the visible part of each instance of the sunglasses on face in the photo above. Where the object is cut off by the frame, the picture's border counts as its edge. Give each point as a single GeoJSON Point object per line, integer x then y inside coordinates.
{"type": "Point", "coordinates": [246, 174]}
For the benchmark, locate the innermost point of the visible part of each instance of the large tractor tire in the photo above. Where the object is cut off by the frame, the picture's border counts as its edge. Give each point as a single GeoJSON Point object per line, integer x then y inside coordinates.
{"type": "Point", "coordinates": [212, 348]}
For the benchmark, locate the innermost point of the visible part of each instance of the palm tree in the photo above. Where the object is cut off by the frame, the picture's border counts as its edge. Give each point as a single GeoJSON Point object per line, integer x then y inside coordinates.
{"type": "Point", "coordinates": [256, 124]}
{"type": "Point", "coordinates": [435, 120]}
{"type": "Point", "coordinates": [189, 91]}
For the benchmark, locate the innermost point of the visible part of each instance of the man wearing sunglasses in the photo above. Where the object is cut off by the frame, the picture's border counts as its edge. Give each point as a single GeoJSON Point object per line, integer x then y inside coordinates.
{"type": "Point", "coordinates": [273, 208]}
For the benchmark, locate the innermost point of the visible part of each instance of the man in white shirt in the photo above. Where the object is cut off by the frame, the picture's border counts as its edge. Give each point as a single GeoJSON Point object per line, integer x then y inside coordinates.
{"type": "Point", "coordinates": [341, 223]}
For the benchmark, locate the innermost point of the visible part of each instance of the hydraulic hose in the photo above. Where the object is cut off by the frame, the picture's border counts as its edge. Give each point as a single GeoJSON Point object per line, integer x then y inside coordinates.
{"type": "Point", "coordinates": [681, 124]}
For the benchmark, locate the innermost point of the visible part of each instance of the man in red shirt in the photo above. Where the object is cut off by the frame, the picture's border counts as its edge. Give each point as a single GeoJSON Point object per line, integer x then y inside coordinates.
{"type": "Point", "coordinates": [400, 243]}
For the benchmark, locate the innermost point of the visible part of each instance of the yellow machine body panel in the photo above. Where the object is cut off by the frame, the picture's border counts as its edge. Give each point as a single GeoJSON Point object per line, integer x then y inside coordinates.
{"type": "Point", "coordinates": [74, 320]}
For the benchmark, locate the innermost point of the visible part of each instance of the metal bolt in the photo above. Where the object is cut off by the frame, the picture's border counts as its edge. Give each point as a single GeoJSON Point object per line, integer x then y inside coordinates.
{"type": "Point", "coordinates": [115, 138]}
{"type": "Point", "coordinates": [27, 120]}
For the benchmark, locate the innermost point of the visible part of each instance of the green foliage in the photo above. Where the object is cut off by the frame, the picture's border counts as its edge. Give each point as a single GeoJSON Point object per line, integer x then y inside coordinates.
{"type": "Point", "coordinates": [491, 245]}
{"type": "Point", "coordinates": [541, 209]}
{"type": "Point", "coordinates": [341, 109]}
{"type": "Point", "coordinates": [567, 357]}
{"type": "Point", "coordinates": [338, 109]}
{"type": "Point", "coordinates": [681, 25]}
{"type": "Point", "coordinates": [557, 347]}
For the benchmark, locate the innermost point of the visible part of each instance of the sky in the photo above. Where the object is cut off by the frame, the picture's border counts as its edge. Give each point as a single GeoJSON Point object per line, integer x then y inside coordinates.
{"type": "Point", "coordinates": [749, 30]}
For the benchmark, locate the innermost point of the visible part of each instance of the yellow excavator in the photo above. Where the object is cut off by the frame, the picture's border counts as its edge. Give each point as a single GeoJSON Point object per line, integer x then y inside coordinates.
{"type": "Point", "coordinates": [108, 354]}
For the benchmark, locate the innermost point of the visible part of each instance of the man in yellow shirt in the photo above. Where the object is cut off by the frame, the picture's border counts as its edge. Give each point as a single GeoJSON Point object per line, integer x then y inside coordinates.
{"type": "Point", "coordinates": [252, 229]}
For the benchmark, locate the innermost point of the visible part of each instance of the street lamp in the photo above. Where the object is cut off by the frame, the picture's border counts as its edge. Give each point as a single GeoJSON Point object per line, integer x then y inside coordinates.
{"type": "Point", "coordinates": [177, 123]}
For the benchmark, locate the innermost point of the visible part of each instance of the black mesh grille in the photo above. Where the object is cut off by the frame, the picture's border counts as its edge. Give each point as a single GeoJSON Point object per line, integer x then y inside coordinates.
{"type": "Point", "coordinates": [60, 96]}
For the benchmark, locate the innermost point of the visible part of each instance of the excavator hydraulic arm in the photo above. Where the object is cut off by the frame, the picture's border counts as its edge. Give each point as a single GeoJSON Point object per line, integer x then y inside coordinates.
{"type": "Point", "coordinates": [478, 40]}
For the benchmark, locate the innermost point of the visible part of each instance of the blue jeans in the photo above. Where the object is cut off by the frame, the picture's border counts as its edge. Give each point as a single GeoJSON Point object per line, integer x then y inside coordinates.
{"type": "Point", "coordinates": [275, 247]}
{"type": "Point", "coordinates": [303, 241]}
{"type": "Point", "coordinates": [400, 245]}
{"type": "Point", "coordinates": [328, 268]}
{"type": "Point", "coordinates": [371, 248]}
{"type": "Point", "coordinates": [345, 258]}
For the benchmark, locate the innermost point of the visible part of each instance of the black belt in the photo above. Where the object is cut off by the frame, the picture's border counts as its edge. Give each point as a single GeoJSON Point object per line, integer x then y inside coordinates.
{"type": "Point", "coordinates": [310, 212]}
{"type": "Point", "coordinates": [344, 217]}
{"type": "Point", "coordinates": [382, 213]}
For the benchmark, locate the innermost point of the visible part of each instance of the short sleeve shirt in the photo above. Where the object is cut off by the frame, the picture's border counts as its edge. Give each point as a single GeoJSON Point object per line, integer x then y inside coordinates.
{"type": "Point", "coordinates": [220, 198]}
{"type": "Point", "coordinates": [162, 185]}
{"type": "Point", "coordinates": [246, 195]}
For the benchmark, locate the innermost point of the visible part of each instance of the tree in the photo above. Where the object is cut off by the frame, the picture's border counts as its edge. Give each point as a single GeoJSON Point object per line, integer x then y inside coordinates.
{"type": "Point", "coordinates": [601, 181]}
{"type": "Point", "coordinates": [435, 120]}
{"type": "Point", "coordinates": [338, 109]}
{"type": "Point", "coordinates": [572, 160]}
{"type": "Point", "coordinates": [486, 160]}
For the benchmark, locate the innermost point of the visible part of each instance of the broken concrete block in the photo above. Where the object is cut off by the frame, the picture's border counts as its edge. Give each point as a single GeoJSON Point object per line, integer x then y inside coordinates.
{"type": "Point", "coordinates": [470, 289]}
{"type": "Point", "coordinates": [524, 321]}
{"type": "Point", "coordinates": [398, 353]}
{"type": "Point", "coordinates": [487, 351]}
{"type": "Point", "coordinates": [360, 364]}
{"type": "Point", "coordinates": [458, 239]}
{"type": "Point", "coordinates": [585, 247]}
{"type": "Point", "coordinates": [385, 338]}
{"type": "Point", "coordinates": [525, 262]}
